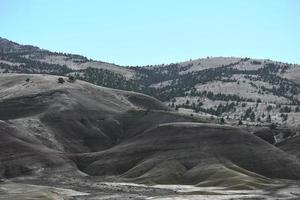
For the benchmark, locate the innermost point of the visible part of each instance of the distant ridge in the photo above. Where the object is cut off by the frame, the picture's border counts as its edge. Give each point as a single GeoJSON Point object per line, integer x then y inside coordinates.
{"type": "Point", "coordinates": [252, 91]}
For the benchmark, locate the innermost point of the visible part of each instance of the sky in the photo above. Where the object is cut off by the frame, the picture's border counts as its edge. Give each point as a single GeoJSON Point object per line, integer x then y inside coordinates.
{"type": "Point", "coordinates": [142, 32]}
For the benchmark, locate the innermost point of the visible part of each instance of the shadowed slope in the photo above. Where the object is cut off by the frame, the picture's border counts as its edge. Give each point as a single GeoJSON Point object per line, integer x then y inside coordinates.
{"type": "Point", "coordinates": [22, 156]}
{"type": "Point", "coordinates": [190, 153]}
{"type": "Point", "coordinates": [291, 146]}
{"type": "Point", "coordinates": [44, 120]}
{"type": "Point", "coordinates": [126, 135]}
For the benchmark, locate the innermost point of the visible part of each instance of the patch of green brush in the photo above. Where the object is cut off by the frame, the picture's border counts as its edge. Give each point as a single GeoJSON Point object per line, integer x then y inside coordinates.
{"type": "Point", "coordinates": [172, 171]}
{"type": "Point", "coordinates": [235, 179]}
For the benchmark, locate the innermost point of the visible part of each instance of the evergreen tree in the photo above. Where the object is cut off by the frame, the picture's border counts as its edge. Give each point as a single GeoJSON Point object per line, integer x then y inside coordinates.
{"type": "Point", "coordinates": [222, 121]}
{"type": "Point", "coordinates": [252, 117]}
{"type": "Point", "coordinates": [269, 118]}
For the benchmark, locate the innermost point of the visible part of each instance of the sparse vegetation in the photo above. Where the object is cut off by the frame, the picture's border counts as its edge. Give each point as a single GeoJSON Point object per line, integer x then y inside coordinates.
{"type": "Point", "coordinates": [285, 109]}
{"type": "Point", "coordinates": [181, 82]}
{"type": "Point", "coordinates": [284, 116]}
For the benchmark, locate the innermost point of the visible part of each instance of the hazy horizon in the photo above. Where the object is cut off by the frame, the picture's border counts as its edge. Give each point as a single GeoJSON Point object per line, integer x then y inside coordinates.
{"type": "Point", "coordinates": [156, 32]}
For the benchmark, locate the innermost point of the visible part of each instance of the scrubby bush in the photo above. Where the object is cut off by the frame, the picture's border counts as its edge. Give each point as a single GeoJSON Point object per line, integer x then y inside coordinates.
{"type": "Point", "coordinates": [284, 116]}
{"type": "Point", "coordinates": [285, 109]}
{"type": "Point", "coordinates": [60, 80]}
{"type": "Point", "coordinates": [273, 126]}
{"type": "Point", "coordinates": [269, 118]}
{"type": "Point", "coordinates": [71, 79]}
{"type": "Point", "coordinates": [222, 121]}
{"type": "Point", "coordinates": [252, 116]}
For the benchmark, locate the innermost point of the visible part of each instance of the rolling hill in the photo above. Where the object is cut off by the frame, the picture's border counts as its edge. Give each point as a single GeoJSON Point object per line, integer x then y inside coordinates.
{"type": "Point", "coordinates": [252, 91]}
{"type": "Point", "coordinates": [73, 134]}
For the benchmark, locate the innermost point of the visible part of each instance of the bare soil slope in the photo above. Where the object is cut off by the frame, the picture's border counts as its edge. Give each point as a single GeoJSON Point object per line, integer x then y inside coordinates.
{"type": "Point", "coordinates": [79, 129]}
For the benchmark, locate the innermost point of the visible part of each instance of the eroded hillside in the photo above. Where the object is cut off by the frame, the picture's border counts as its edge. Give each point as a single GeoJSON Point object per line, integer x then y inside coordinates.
{"type": "Point", "coordinates": [75, 135]}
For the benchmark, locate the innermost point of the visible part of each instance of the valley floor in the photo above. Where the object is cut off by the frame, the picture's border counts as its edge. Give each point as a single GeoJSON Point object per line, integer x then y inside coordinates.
{"type": "Point", "coordinates": [92, 190]}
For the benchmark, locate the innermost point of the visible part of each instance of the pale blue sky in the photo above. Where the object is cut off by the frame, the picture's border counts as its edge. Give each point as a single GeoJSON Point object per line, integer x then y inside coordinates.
{"type": "Point", "coordinates": [140, 32]}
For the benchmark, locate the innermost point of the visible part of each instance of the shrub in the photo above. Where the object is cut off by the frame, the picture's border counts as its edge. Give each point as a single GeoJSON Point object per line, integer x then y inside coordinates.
{"type": "Point", "coordinates": [60, 80]}
{"type": "Point", "coordinates": [273, 126]}
{"type": "Point", "coordinates": [285, 109]}
{"type": "Point", "coordinates": [269, 107]}
{"type": "Point", "coordinates": [222, 121]}
{"type": "Point", "coordinates": [258, 119]}
{"type": "Point", "coordinates": [71, 79]}
{"type": "Point", "coordinates": [252, 116]}
{"type": "Point", "coordinates": [284, 117]}
{"type": "Point", "coordinates": [269, 118]}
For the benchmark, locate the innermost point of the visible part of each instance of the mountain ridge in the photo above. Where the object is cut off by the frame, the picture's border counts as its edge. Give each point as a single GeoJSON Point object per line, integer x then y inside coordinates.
{"type": "Point", "coordinates": [5, 40]}
{"type": "Point", "coordinates": [223, 87]}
